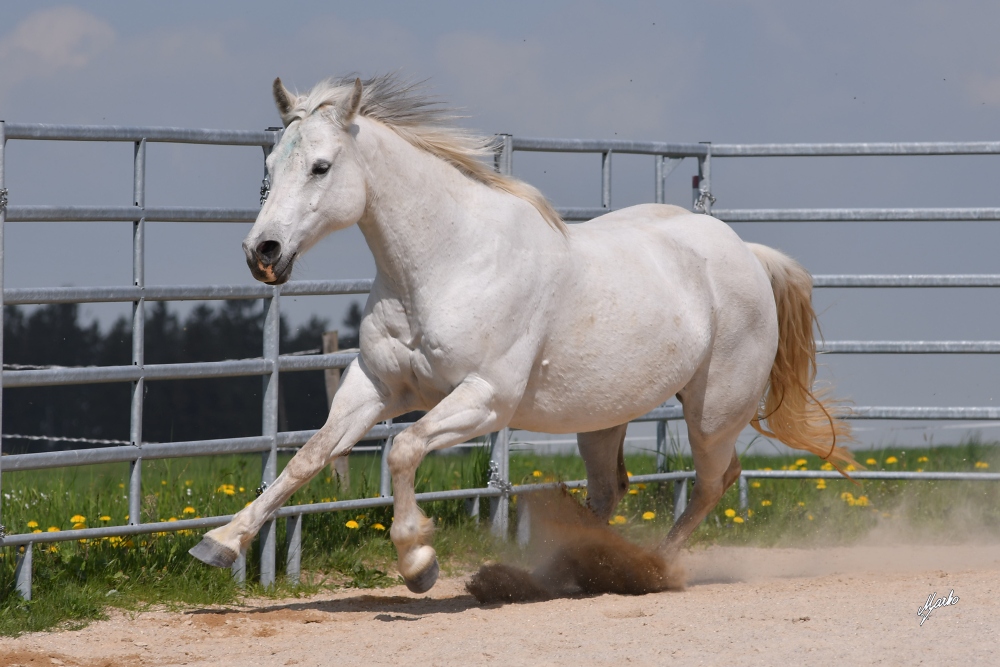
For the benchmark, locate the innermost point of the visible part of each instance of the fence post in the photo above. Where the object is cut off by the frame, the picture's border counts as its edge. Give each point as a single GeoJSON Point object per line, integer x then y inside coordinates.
{"type": "Point", "coordinates": [3, 219]}
{"type": "Point", "coordinates": [385, 475]}
{"type": "Point", "coordinates": [239, 569]}
{"type": "Point", "coordinates": [272, 331]}
{"type": "Point", "coordinates": [661, 446]}
{"type": "Point", "coordinates": [138, 331]}
{"type": "Point", "coordinates": [744, 496]}
{"type": "Point", "coordinates": [702, 183]}
{"type": "Point", "coordinates": [680, 498]}
{"type": "Point", "coordinates": [503, 161]}
{"type": "Point", "coordinates": [500, 478]}
{"type": "Point", "coordinates": [293, 538]}
{"type": "Point", "coordinates": [22, 574]}
{"type": "Point", "coordinates": [606, 180]}
{"type": "Point", "coordinates": [340, 468]}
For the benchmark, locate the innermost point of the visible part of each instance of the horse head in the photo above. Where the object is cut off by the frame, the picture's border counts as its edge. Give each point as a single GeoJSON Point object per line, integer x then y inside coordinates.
{"type": "Point", "coordinates": [318, 184]}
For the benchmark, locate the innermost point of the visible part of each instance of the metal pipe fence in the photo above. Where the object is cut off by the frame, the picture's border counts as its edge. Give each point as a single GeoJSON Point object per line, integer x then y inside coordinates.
{"type": "Point", "coordinates": [667, 156]}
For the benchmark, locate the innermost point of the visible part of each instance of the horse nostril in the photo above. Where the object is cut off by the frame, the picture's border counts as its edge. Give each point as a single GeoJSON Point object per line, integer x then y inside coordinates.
{"type": "Point", "coordinates": [269, 251]}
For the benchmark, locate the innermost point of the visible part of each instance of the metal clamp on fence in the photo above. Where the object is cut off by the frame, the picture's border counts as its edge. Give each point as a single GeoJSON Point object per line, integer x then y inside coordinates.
{"type": "Point", "coordinates": [704, 197]}
{"type": "Point", "coordinates": [265, 189]}
{"type": "Point", "coordinates": [3, 199]}
{"type": "Point", "coordinates": [496, 483]}
{"type": "Point", "coordinates": [261, 489]}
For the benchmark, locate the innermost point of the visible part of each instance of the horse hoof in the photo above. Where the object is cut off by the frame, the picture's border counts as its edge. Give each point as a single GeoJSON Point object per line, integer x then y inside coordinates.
{"type": "Point", "coordinates": [213, 553]}
{"type": "Point", "coordinates": [425, 580]}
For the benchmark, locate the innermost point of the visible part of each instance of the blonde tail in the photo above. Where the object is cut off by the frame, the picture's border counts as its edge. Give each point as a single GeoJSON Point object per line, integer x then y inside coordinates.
{"type": "Point", "coordinates": [796, 414]}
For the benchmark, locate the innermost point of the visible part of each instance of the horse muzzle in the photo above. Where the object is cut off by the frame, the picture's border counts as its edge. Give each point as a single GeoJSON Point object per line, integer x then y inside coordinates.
{"type": "Point", "coordinates": [268, 263]}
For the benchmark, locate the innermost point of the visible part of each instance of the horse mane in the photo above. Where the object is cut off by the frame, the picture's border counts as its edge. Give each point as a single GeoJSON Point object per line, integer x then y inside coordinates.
{"type": "Point", "coordinates": [424, 123]}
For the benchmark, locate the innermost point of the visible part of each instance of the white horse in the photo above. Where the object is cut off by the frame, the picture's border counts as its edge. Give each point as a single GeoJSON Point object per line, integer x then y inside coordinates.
{"type": "Point", "coordinates": [488, 311]}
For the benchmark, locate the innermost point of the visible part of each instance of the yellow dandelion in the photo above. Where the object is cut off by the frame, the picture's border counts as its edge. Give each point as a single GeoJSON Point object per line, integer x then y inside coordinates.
{"type": "Point", "coordinates": [821, 484]}
{"type": "Point", "coordinates": [749, 512]}
{"type": "Point", "coordinates": [870, 462]}
{"type": "Point", "coordinates": [227, 489]}
{"type": "Point", "coordinates": [755, 485]}
{"type": "Point", "coordinates": [53, 549]}
{"type": "Point", "coordinates": [891, 460]}
{"type": "Point", "coordinates": [809, 516]}
{"type": "Point", "coordinates": [765, 503]}
{"type": "Point", "coordinates": [628, 473]}
{"type": "Point", "coordinates": [78, 518]}
{"type": "Point", "coordinates": [648, 516]}
{"type": "Point", "coordinates": [922, 459]}
{"type": "Point", "coordinates": [79, 526]}
{"type": "Point", "coordinates": [730, 513]}
{"type": "Point", "coordinates": [737, 519]}
{"type": "Point", "coordinates": [324, 500]}
{"type": "Point", "coordinates": [618, 520]}
{"type": "Point", "coordinates": [765, 468]}
{"type": "Point", "coordinates": [53, 529]}
{"type": "Point", "coordinates": [536, 473]}
{"type": "Point", "coordinates": [121, 486]}
{"type": "Point", "coordinates": [163, 482]}
{"type": "Point", "coordinates": [37, 530]}
{"type": "Point", "coordinates": [377, 526]}
{"type": "Point", "coordinates": [850, 468]}
{"type": "Point", "coordinates": [847, 495]}
{"type": "Point", "coordinates": [633, 492]}
{"type": "Point", "coordinates": [105, 518]}
{"type": "Point", "coordinates": [173, 518]}
{"type": "Point", "coordinates": [242, 489]}
{"type": "Point", "coordinates": [920, 469]}
{"type": "Point", "coordinates": [32, 524]}
{"type": "Point", "coordinates": [982, 465]}
{"type": "Point", "coordinates": [826, 466]}
{"type": "Point", "coordinates": [640, 485]}
{"type": "Point", "coordinates": [188, 510]}
{"type": "Point", "coordinates": [801, 462]}
{"type": "Point", "coordinates": [574, 490]}
{"type": "Point", "coordinates": [801, 504]}
{"type": "Point", "coordinates": [188, 482]}
{"type": "Point", "coordinates": [861, 501]}
{"type": "Point", "coordinates": [352, 524]}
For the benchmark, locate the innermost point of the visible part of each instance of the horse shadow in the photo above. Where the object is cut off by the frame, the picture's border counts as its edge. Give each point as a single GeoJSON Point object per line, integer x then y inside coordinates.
{"type": "Point", "coordinates": [388, 608]}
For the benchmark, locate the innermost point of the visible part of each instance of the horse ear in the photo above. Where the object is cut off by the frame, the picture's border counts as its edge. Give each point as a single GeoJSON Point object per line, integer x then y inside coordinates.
{"type": "Point", "coordinates": [283, 99]}
{"type": "Point", "coordinates": [353, 102]}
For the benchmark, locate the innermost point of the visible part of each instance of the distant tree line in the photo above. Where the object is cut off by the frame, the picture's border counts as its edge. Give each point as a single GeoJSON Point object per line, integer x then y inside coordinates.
{"type": "Point", "coordinates": [174, 410]}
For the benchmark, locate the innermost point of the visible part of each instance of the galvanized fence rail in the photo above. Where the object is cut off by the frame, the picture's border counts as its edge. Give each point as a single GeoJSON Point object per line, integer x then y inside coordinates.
{"type": "Point", "coordinates": [667, 156]}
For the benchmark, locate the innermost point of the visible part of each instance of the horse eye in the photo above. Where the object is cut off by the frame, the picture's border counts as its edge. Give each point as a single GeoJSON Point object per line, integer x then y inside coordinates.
{"type": "Point", "coordinates": [320, 167]}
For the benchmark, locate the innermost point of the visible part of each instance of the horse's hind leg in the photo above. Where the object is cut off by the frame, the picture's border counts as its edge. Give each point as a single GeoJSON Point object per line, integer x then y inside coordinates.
{"type": "Point", "coordinates": [603, 454]}
{"type": "Point", "coordinates": [715, 413]}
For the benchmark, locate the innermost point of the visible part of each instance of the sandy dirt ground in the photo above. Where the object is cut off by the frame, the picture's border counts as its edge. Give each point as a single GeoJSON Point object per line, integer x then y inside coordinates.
{"type": "Point", "coordinates": [742, 606]}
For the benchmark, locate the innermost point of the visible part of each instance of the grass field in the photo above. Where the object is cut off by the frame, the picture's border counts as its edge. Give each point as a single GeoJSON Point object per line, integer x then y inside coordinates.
{"type": "Point", "coordinates": [76, 582]}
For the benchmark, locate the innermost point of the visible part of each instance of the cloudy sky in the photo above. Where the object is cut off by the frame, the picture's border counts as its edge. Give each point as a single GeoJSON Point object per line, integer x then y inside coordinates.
{"type": "Point", "coordinates": [761, 71]}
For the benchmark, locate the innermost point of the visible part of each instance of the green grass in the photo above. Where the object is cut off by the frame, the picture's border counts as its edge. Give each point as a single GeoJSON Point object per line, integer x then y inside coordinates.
{"type": "Point", "coordinates": [75, 582]}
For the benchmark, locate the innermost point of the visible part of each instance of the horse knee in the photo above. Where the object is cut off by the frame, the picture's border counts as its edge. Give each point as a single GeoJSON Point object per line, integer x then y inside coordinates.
{"type": "Point", "coordinates": [404, 455]}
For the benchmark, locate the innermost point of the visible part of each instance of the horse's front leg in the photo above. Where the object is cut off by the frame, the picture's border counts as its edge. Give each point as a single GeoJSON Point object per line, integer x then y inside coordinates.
{"type": "Point", "coordinates": [468, 411]}
{"type": "Point", "coordinates": [357, 406]}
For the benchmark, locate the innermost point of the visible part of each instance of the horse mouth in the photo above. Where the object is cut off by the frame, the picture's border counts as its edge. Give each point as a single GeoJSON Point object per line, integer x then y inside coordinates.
{"type": "Point", "coordinates": [272, 274]}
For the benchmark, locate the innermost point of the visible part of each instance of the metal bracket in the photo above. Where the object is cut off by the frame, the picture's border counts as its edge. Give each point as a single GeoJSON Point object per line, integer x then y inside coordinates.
{"type": "Point", "coordinates": [704, 197]}
{"type": "Point", "coordinates": [496, 483]}
{"type": "Point", "coordinates": [3, 199]}
{"type": "Point", "coordinates": [261, 489]}
{"type": "Point", "coordinates": [265, 189]}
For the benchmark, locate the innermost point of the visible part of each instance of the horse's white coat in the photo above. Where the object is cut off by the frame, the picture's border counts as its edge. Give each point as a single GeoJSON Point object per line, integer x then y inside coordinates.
{"type": "Point", "coordinates": [486, 316]}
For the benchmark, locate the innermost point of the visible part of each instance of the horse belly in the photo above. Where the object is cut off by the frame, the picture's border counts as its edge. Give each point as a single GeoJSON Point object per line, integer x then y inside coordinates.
{"type": "Point", "coordinates": [578, 388]}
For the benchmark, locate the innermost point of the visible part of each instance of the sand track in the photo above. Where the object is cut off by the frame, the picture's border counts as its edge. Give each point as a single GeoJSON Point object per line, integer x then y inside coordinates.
{"type": "Point", "coordinates": [742, 606]}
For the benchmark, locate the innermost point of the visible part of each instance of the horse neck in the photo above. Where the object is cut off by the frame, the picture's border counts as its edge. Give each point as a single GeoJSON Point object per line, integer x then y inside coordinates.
{"type": "Point", "coordinates": [421, 211]}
